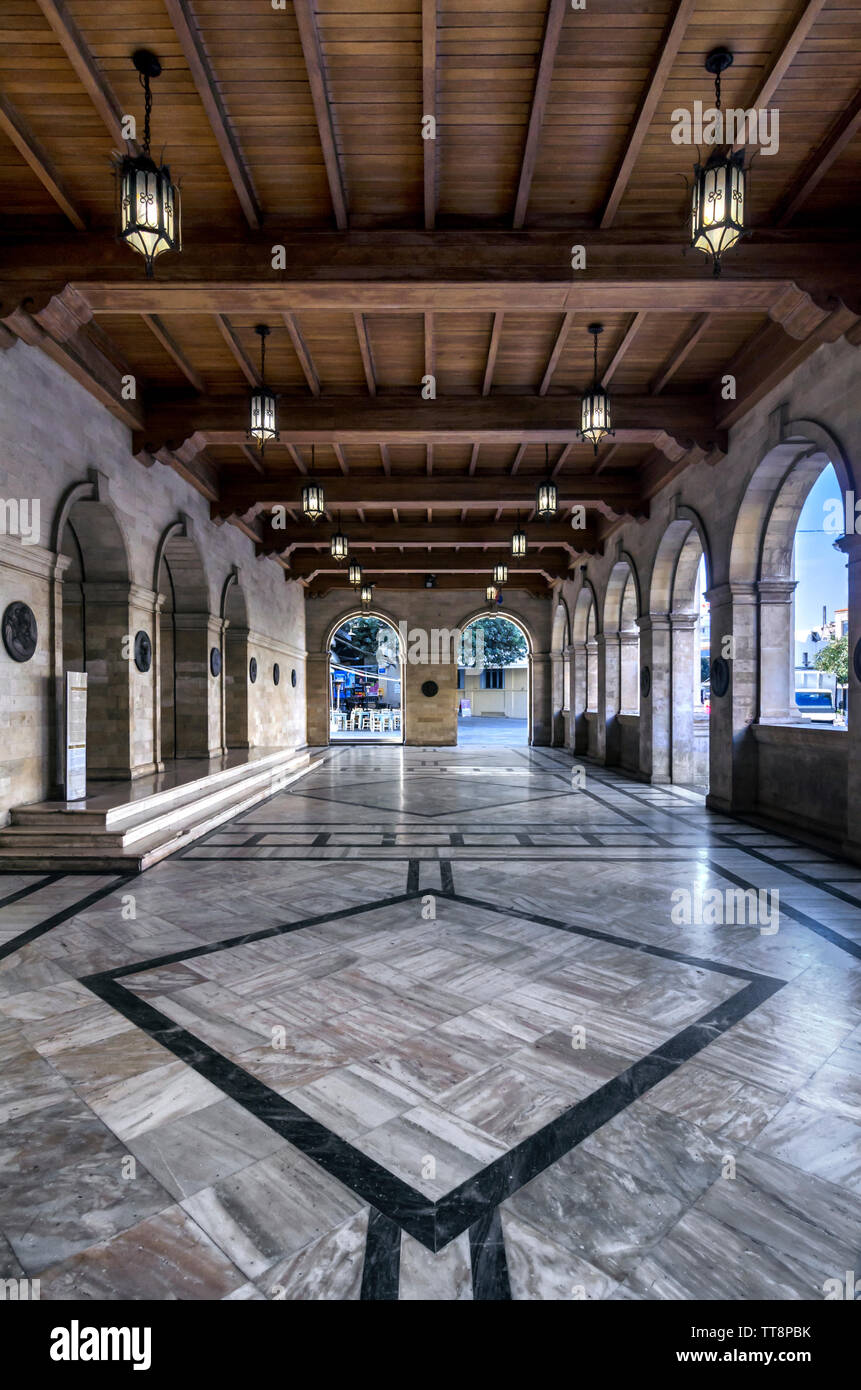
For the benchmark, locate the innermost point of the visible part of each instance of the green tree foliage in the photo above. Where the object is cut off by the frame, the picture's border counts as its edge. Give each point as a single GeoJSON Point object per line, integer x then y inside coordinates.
{"type": "Point", "coordinates": [504, 644]}
{"type": "Point", "coordinates": [355, 643]}
{"type": "Point", "coordinates": [834, 658]}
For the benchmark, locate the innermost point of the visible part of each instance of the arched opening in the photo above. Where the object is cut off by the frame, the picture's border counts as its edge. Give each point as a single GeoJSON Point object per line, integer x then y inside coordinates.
{"type": "Point", "coordinates": [185, 634]}
{"type": "Point", "coordinates": [494, 686]}
{"type": "Point", "coordinates": [584, 677]}
{"type": "Point", "coordinates": [560, 675]}
{"type": "Point", "coordinates": [676, 692]}
{"type": "Point", "coordinates": [234, 611]}
{"type": "Point", "coordinates": [621, 668]}
{"type": "Point", "coordinates": [366, 681]}
{"type": "Point", "coordinates": [96, 638]}
{"type": "Point", "coordinates": [821, 607]}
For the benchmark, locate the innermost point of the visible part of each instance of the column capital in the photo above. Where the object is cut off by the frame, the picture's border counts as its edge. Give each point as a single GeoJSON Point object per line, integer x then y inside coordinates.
{"type": "Point", "coordinates": [684, 622]}
{"type": "Point", "coordinates": [776, 590]}
{"type": "Point", "coordinates": [738, 591]}
{"type": "Point", "coordinates": [654, 622]}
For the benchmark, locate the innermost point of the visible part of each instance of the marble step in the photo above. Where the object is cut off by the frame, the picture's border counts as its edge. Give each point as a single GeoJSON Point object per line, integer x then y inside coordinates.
{"type": "Point", "coordinates": [60, 846]}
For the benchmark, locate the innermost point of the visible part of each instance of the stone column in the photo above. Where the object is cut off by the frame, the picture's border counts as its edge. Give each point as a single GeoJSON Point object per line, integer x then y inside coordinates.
{"type": "Point", "coordinates": [579, 699]}
{"type": "Point", "coordinates": [656, 707]}
{"type": "Point", "coordinates": [594, 727]}
{"type": "Point", "coordinates": [557, 732]}
{"type": "Point", "coordinates": [198, 693]}
{"type": "Point", "coordinates": [683, 627]}
{"type": "Point", "coordinates": [629, 672]}
{"type": "Point", "coordinates": [776, 638]}
{"type": "Point", "coordinates": [317, 699]}
{"type": "Point", "coordinates": [567, 697]}
{"type": "Point", "coordinates": [108, 634]}
{"type": "Point", "coordinates": [541, 723]}
{"type": "Point", "coordinates": [609, 678]}
{"type": "Point", "coordinates": [732, 750]}
{"type": "Point", "coordinates": [235, 680]}
{"type": "Point", "coordinates": [851, 547]}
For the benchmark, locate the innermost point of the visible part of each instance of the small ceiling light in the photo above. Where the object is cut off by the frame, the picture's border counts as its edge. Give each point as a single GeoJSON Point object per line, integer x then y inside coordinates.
{"type": "Point", "coordinates": [149, 202]}
{"type": "Point", "coordinates": [355, 574]}
{"type": "Point", "coordinates": [519, 542]}
{"type": "Point", "coordinates": [339, 545]}
{"type": "Point", "coordinates": [263, 425]}
{"type": "Point", "coordinates": [367, 595]}
{"type": "Point", "coordinates": [595, 404]}
{"type": "Point", "coordinates": [500, 574]}
{"type": "Point", "coordinates": [717, 200]}
{"type": "Point", "coordinates": [491, 593]}
{"type": "Point", "coordinates": [313, 496]}
{"type": "Point", "coordinates": [547, 496]}
{"type": "Point", "coordinates": [430, 581]}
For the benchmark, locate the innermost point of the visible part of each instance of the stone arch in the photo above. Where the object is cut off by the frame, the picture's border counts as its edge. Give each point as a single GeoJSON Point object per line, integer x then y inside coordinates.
{"type": "Point", "coordinates": [584, 670]}
{"type": "Point", "coordinates": [190, 720]}
{"type": "Point", "coordinates": [235, 655]}
{"type": "Point", "coordinates": [97, 624]}
{"type": "Point", "coordinates": [619, 672]}
{"type": "Point", "coordinates": [560, 671]}
{"type": "Point", "coordinates": [538, 696]}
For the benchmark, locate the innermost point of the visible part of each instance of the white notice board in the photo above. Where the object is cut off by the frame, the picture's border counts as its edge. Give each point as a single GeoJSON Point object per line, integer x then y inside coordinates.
{"type": "Point", "coordinates": [76, 735]}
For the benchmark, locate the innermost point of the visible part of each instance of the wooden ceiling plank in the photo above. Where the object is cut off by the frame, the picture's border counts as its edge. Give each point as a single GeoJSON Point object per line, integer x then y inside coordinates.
{"type": "Point", "coordinates": [842, 132]}
{"type": "Point", "coordinates": [25, 142]}
{"type": "Point", "coordinates": [670, 46]}
{"type": "Point", "coordinates": [172, 348]}
{"type": "Point", "coordinates": [518, 459]}
{"type": "Point", "coordinates": [99, 91]}
{"type": "Point", "coordinates": [805, 19]}
{"type": "Point", "coordinates": [342, 459]}
{"type": "Point", "coordinates": [679, 356]}
{"type": "Point", "coordinates": [550, 43]}
{"type": "Point", "coordinates": [633, 329]}
{"type": "Point", "coordinates": [309, 37]}
{"type": "Point", "coordinates": [429, 104]}
{"type": "Point", "coordinates": [552, 361]}
{"type": "Point", "coordinates": [301, 349]}
{"type": "Point", "coordinates": [185, 26]}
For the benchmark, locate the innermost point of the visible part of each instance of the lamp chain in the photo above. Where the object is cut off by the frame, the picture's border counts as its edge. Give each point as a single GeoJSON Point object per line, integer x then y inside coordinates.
{"type": "Point", "coordinates": [144, 81]}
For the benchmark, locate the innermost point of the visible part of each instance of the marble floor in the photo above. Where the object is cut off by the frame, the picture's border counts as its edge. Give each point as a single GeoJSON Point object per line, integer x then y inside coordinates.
{"type": "Point", "coordinates": [427, 1025]}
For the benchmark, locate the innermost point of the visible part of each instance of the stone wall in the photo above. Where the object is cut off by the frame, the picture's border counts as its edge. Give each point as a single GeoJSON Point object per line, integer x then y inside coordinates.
{"type": "Point", "coordinates": [61, 449]}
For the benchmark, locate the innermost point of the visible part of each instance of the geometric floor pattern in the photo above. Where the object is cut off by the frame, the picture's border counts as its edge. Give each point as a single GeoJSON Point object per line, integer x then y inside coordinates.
{"type": "Point", "coordinates": [421, 1026]}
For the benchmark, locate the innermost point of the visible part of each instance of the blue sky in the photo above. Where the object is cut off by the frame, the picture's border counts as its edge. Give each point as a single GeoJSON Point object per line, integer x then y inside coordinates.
{"type": "Point", "coordinates": [819, 568]}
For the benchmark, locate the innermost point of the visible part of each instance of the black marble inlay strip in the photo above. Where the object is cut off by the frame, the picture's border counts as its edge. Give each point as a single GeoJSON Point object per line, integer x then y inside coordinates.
{"type": "Point", "coordinates": [388, 840]}
{"type": "Point", "coordinates": [523, 839]}
{"type": "Point", "coordinates": [58, 918]}
{"type": "Point", "coordinates": [31, 888]}
{"type": "Point", "coordinates": [446, 877]}
{"type": "Point", "coordinates": [852, 948]}
{"type": "Point", "coordinates": [455, 840]}
{"type": "Point", "coordinates": [252, 841]}
{"type": "Point", "coordinates": [381, 1271]}
{"type": "Point", "coordinates": [413, 875]}
{"type": "Point", "coordinates": [321, 839]}
{"type": "Point", "coordinates": [793, 872]}
{"type": "Point", "coordinates": [487, 1257]}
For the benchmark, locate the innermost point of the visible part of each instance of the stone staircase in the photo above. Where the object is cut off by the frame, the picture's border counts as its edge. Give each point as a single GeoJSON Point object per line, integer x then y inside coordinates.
{"type": "Point", "coordinates": [127, 829]}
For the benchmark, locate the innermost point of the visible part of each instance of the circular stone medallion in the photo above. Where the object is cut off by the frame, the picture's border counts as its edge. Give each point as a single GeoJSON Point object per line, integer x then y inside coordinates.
{"type": "Point", "coordinates": [143, 651]}
{"type": "Point", "coordinates": [720, 676]}
{"type": "Point", "coordinates": [252, 669]}
{"type": "Point", "coordinates": [20, 632]}
{"type": "Point", "coordinates": [430, 688]}
{"type": "Point", "coordinates": [645, 682]}
{"type": "Point", "coordinates": [215, 661]}
{"type": "Point", "coordinates": [276, 673]}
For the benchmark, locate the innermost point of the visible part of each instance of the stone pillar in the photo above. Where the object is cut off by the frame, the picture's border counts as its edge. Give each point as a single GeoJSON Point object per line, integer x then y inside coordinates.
{"type": "Point", "coordinates": [683, 627]}
{"type": "Point", "coordinates": [108, 663]}
{"type": "Point", "coordinates": [579, 699]}
{"type": "Point", "coordinates": [317, 699]}
{"type": "Point", "coordinates": [656, 707]}
{"type": "Point", "coordinates": [776, 638]}
{"type": "Point", "coordinates": [594, 726]}
{"type": "Point", "coordinates": [609, 679]}
{"type": "Point", "coordinates": [235, 682]}
{"type": "Point", "coordinates": [732, 750]}
{"type": "Point", "coordinates": [541, 723]}
{"type": "Point", "coordinates": [198, 692]}
{"type": "Point", "coordinates": [557, 733]}
{"type": "Point", "coordinates": [568, 697]}
{"type": "Point", "coordinates": [851, 547]}
{"type": "Point", "coordinates": [629, 672]}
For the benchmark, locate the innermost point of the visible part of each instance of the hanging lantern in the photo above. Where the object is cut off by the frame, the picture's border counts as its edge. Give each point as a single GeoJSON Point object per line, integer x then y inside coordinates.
{"type": "Point", "coordinates": [339, 545]}
{"type": "Point", "coordinates": [717, 198]}
{"type": "Point", "coordinates": [367, 595]}
{"type": "Point", "coordinates": [500, 574]}
{"type": "Point", "coordinates": [149, 201]}
{"type": "Point", "coordinates": [263, 425]}
{"type": "Point", "coordinates": [547, 496]}
{"type": "Point", "coordinates": [491, 593]}
{"type": "Point", "coordinates": [519, 542]}
{"type": "Point", "coordinates": [595, 404]}
{"type": "Point", "coordinates": [313, 496]}
{"type": "Point", "coordinates": [355, 574]}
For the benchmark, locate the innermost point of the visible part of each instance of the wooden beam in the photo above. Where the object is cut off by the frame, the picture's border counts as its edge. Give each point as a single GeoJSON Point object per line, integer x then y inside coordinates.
{"type": "Point", "coordinates": [341, 457]}
{"type": "Point", "coordinates": [414, 536]}
{"type": "Point", "coordinates": [670, 46]}
{"type": "Point", "coordinates": [473, 459]}
{"type": "Point", "coordinates": [552, 31]}
{"type": "Point", "coordinates": [25, 142]}
{"type": "Point", "coordinates": [561, 461]}
{"type": "Point", "coordinates": [805, 19]}
{"type": "Point", "coordinates": [154, 323]}
{"type": "Point", "coordinates": [254, 458]}
{"type": "Point", "coordinates": [239, 491]}
{"type": "Point", "coordinates": [385, 460]}
{"type": "Point", "coordinates": [228, 333]}
{"type": "Point", "coordinates": [429, 48]}
{"type": "Point", "coordinates": [429, 459]}
{"type": "Point", "coordinates": [304, 356]}
{"type": "Point", "coordinates": [553, 360]}
{"type": "Point", "coordinates": [366, 352]}
{"type": "Point", "coordinates": [633, 329]}
{"type": "Point", "coordinates": [492, 352]}
{"type": "Point", "coordinates": [309, 37]}
{"type": "Point", "coordinates": [69, 36]}
{"type": "Point", "coordinates": [518, 459]}
{"type": "Point", "coordinates": [842, 132]}
{"type": "Point", "coordinates": [191, 43]}
{"type": "Point", "coordinates": [681, 353]}
{"type": "Point", "coordinates": [430, 345]}
{"type": "Point", "coordinates": [445, 561]}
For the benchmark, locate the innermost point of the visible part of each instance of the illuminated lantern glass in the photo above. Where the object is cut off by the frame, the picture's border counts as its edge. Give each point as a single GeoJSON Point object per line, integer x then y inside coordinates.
{"type": "Point", "coordinates": [367, 595]}
{"type": "Point", "coordinates": [339, 546]}
{"type": "Point", "coordinates": [355, 574]}
{"type": "Point", "coordinates": [313, 501]}
{"type": "Point", "coordinates": [717, 211]}
{"type": "Point", "coordinates": [491, 593]}
{"type": "Point", "coordinates": [149, 202]}
{"type": "Point", "coordinates": [547, 499]}
{"type": "Point", "coordinates": [519, 544]}
{"type": "Point", "coordinates": [595, 404]}
{"type": "Point", "coordinates": [500, 574]}
{"type": "Point", "coordinates": [263, 425]}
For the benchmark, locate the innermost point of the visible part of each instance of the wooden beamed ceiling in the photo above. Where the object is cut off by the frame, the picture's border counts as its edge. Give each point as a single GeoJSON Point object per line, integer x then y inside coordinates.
{"type": "Point", "coordinates": [427, 169]}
